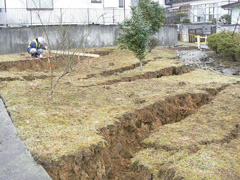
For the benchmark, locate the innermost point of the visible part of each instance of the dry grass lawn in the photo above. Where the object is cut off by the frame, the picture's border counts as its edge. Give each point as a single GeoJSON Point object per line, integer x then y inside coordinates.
{"type": "Point", "coordinates": [70, 120]}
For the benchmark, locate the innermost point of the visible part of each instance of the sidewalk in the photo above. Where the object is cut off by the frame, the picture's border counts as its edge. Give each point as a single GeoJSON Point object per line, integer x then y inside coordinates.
{"type": "Point", "coordinates": [16, 162]}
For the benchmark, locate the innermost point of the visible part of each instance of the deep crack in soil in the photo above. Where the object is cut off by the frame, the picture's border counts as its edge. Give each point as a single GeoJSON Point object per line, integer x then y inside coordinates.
{"type": "Point", "coordinates": [119, 70]}
{"type": "Point", "coordinates": [10, 79]}
{"type": "Point", "coordinates": [36, 64]}
{"type": "Point", "coordinates": [27, 78]}
{"type": "Point", "coordinates": [169, 71]}
{"type": "Point", "coordinates": [124, 139]}
{"type": "Point", "coordinates": [31, 77]}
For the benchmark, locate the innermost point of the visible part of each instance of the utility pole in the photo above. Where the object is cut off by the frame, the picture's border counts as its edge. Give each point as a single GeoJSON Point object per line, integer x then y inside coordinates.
{"type": "Point", "coordinates": [124, 10]}
{"type": "Point", "coordinates": [5, 5]}
{"type": "Point", "coordinates": [228, 9]}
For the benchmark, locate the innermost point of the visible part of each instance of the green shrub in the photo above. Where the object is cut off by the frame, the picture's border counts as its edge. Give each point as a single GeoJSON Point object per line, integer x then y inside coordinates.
{"type": "Point", "coordinates": [186, 21]}
{"type": "Point", "coordinates": [182, 14]}
{"type": "Point", "coordinates": [226, 19]}
{"type": "Point", "coordinates": [146, 20]}
{"type": "Point", "coordinates": [135, 34]}
{"type": "Point", "coordinates": [225, 44]}
{"type": "Point", "coordinates": [152, 13]}
{"type": "Point", "coordinates": [212, 42]}
{"type": "Point", "coordinates": [214, 21]}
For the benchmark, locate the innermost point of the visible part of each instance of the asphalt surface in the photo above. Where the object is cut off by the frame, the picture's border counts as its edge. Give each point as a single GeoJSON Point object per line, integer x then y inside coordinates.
{"type": "Point", "coordinates": [16, 162]}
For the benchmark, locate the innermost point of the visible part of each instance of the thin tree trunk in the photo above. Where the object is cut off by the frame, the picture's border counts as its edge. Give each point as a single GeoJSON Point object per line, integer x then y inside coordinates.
{"type": "Point", "coordinates": [141, 65]}
{"type": "Point", "coordinates": [55, 84]}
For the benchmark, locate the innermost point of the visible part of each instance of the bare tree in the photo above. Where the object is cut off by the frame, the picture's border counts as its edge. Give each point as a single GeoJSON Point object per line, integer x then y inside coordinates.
{"type": "Point", "coordinates": [68, 45]}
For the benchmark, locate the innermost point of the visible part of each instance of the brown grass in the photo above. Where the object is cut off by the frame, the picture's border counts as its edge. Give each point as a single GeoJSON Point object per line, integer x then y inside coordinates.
{"type": "Point", "coordinates": [203, 146]}
{"type": "Point", "coordinates": [69, 121]}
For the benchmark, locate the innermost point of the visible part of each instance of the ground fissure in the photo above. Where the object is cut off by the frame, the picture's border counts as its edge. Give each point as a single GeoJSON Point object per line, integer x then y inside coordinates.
{"type": "Point", "coordinates": [119, 70]}
{"type": "Point", "coordinates": [96, 132]}
{"type": "Point", "coordinates": [169, 71]}
{"type": "Point", "coordinates": [125, 139]}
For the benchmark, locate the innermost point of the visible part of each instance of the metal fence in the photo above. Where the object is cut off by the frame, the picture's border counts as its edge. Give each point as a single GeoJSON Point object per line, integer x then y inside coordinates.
{"type": "Point", "coordinates": [24, 17]}
{"type": "Point", "coordinates": [175, 17]}
{"type": "Point", "coordinates": [195, 15]}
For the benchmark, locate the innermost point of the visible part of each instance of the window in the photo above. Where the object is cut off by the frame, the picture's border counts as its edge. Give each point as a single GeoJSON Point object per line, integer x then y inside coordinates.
{"type": "Point", "coordinates": [211, 13]}
{"type": "Point", "coordinates": [121, 3]}
{"type": "Point", "coordinates": [40, 4]}
{"type": "Point", "coordinates": [198, 19]}
{"type": "Point", "coordinates": [96, 1]}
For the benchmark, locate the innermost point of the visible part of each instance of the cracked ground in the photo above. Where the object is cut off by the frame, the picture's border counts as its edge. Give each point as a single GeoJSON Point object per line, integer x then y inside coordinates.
{"type": "Point", "coordinates": [109, 120]}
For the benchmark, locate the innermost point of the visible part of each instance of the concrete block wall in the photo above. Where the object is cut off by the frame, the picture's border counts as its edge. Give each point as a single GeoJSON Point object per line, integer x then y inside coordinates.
{"type": "Point", "coordinates": [15, 40]}
{"type": "Point", "coordinates": [168, 35]}
{"type": "Point", "coordinates": [235, 28]}
{"type": "Point", "coordinates": [206, 29]}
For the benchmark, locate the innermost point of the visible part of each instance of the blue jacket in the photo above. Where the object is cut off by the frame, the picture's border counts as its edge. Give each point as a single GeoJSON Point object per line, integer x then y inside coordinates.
{"type": "Point", "coordinates": [35, 44]}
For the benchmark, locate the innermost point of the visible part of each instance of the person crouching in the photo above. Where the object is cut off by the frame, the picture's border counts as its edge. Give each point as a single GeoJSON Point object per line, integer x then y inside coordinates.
{"type": "Point", "coordinates": [36, 47]}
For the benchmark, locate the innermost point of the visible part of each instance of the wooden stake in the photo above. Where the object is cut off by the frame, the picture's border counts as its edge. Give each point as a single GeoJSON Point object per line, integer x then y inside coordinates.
{"type": "Point", "coordinates": [88, 63]}
{"type": "Point", "coordinates": [79, 62]}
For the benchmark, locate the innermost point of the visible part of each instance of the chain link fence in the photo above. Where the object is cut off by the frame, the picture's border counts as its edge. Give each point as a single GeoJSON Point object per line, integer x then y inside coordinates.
{"type": "Point", "coordinates": [25, 17]}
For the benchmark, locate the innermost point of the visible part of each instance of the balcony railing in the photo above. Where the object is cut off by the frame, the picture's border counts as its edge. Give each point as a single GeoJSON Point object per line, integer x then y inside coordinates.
{"type": "Point", "coordinates": [177, 17]}
{"type": "Point", "coordinates": [24, 17]}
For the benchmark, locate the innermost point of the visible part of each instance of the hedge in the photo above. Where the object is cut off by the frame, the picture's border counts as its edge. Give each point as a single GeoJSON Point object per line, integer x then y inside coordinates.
{"type": "Point", "coordinates": [225, 44]}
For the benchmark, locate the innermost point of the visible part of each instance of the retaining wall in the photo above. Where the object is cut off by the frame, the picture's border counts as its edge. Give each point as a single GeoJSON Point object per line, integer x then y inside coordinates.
{"type": "Point", "coordinates": [14, 40]}
{"type": "Point", "coordinates": [229, 27]}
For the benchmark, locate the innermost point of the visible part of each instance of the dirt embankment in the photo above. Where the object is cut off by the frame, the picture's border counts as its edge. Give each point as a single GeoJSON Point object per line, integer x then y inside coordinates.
{"type": "Point", "coordinates": [169, 71]}
{"type": "Point", "coordinates": [37, 64]}
{"type": "Point", "coordinates": [204, 146]}
{"type": "Point", "coordinates": [124, 139]}
{"type": "Point", "coordinates": [22, 78]}
{"type": "Point", "coordinates": [119, 70]}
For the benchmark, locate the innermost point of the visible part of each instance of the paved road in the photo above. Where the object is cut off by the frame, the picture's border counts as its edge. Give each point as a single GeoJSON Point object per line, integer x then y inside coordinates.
{"type": "Point", "coordinates": [16, 162]}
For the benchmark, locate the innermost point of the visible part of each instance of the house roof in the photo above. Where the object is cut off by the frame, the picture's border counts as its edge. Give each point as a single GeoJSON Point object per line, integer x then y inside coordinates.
{"type": "Point", "coordinates": [230, 6]}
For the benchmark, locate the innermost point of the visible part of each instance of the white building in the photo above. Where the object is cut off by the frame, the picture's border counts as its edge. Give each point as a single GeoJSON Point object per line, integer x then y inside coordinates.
{"type": "Point", "coordinates": [35, 12]}
{"type": "Point", "coordinates": [199, 10]}
{"type": "Point", "coordinates": [235, 9]}
{"type": "Point", "coordinates": [161, 2]}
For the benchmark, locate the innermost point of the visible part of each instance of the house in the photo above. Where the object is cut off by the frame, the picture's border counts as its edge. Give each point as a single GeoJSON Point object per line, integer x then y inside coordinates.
{"type": "Point", "coordinates": [197, 11]}
{"type": "Point", "coordinates": [36, 12]}
{"type": "Point", "coordinates": [235, 9]}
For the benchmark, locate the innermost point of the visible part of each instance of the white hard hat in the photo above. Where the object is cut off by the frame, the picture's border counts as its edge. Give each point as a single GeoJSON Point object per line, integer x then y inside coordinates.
{"type": "Point", "coordinates": [41, 40]}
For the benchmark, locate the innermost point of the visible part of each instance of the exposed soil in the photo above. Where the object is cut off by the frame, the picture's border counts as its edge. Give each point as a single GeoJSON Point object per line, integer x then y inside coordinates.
{"type": "Point", "coordinates": [170, 71]}
{"type": "Point", "coordinates": [10, 79]}
{"type": "Point", "coordinates": [124, 139]}
{"type": "Point", "coordinates": [31, 77]}
{"type": "Point", "coordinates": [27, 78]}
{"type": "Point", "coordinates": [209, 139]}
{"type": "Point", "coordinates": [119, 70]}
{"type": "Point", "coordinates": [94, 132]}
{"type": "Point", "coordinates": [35, 64]}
